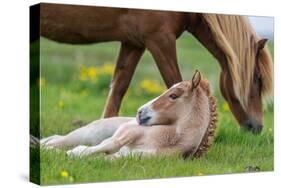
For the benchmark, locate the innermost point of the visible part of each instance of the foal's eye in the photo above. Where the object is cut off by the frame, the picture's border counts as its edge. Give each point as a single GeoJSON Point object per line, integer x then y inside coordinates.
{"type": "Point", "coordinates": [173, 96]}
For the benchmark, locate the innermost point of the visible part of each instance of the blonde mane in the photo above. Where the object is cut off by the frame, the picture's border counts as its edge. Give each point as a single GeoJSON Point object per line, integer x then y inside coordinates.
{"type": "Point", "coordinates": [208, 137]}
{"type": "Point", "coordinates": [237, 39]}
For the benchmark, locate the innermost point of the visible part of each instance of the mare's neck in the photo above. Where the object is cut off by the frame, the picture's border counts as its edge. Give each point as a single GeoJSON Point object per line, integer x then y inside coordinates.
{"type": "Point", "coordinates": [202, 32]}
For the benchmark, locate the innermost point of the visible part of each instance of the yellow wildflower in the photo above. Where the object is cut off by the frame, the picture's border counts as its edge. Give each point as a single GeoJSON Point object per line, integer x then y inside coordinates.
{"type": "Point", "coordinates": [270, 129]}
{"type": "Point", "coordinates": [61, 104]}
{"type": "Point", "coordinates": [88, 73]}
{"type": "Point", "coordinates": [151, 86]}
{"type": "Point", "coordinates": [83, 74]}
{"type": "Point", "coordinates": [64, 174]}
{"type": "Point", "coordinates": [200, 174]}
{"type": "Point", "coordinates": [225, 107]}
{"type": "Point", "coordinates": [92, 72]}
{"type": "Point", "coordinates": [107, 68]}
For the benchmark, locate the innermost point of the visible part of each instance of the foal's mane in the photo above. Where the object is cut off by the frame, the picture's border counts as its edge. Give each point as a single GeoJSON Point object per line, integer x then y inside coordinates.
{"type": "Point", "coordinates": [207, 139]}
{"type": "Point", "coordinates": [237, 39]}
{"type": "Point", "coordinates": [209, 134]}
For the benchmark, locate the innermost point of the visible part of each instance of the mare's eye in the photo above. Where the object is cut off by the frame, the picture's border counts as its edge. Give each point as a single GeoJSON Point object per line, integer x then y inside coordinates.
{"type": "Point", "coordinates": [173, 96]}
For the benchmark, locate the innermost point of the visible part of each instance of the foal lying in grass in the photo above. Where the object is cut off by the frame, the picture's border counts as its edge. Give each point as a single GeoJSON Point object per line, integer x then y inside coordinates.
{"type": "Point", "coordinates": [182, 119]}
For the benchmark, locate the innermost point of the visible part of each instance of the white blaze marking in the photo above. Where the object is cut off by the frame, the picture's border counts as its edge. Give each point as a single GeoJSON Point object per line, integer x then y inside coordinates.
{"type": "Point", "coordinates": [175, 85]}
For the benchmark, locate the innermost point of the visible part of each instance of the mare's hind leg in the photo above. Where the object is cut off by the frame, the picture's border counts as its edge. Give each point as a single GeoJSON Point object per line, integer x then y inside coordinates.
{"type": "Point", "coordinates": [128, 59]}
{"type": "Point", "coordinates": [163, 49]}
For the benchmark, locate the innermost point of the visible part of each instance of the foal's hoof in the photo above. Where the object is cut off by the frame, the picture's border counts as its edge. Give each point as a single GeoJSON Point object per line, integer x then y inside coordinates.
{"type": "Point", "coordinates": [79, 151]}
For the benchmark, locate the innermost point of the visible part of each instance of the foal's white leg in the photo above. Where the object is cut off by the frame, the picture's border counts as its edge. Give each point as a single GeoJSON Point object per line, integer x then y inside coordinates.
{"type": "Point", "coordinates": [92, 134]}
{"type": "Point", "coordinates": [72, 139]}
{"type": "Point", "coordinates": [60, 142]}
{"type": "Point", "coordinates": [127, 133]}
{"type": "Point", "coordinates": [47, 139]}
{"type": "Point", "coordinates": [108, 146]}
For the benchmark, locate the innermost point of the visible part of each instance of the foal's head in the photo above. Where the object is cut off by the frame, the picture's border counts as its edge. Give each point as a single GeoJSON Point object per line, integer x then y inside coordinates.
{"type": "Point", "coordinates": [173, 104]}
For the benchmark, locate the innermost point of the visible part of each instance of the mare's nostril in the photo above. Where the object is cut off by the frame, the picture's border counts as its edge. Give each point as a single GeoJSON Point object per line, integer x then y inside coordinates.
{"type": "Point", "coordinates": [253, 126]}
{"type": "Point", "coordinates": [258, 129]}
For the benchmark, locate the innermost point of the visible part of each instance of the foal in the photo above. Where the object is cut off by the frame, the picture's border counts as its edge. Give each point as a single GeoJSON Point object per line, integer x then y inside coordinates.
{"type": "Point", "coordinates": [181, 120]}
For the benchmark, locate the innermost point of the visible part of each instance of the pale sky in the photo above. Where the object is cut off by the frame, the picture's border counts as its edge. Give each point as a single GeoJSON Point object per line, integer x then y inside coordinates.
{"type": "Point", "coordinates": [264, 26]}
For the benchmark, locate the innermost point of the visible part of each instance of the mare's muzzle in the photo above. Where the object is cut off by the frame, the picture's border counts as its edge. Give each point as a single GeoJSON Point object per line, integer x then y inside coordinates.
{"type": "Point", "coordinates": [252, 125]}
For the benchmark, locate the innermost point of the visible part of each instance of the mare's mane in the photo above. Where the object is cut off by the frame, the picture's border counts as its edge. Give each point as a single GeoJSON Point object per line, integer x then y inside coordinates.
{"type": "Point", "coordinates": [238, 42]}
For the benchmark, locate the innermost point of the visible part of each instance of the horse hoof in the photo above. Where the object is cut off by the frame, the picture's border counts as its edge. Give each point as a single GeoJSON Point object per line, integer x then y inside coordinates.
{"type": "Point", "coordinates": [77, 152]}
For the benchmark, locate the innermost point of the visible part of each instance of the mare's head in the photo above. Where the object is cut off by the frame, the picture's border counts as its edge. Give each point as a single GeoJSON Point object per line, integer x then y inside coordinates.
{"type": "Point", "coordinates": [255, 83]}
{"type": "Point", "coordinates": [173, 104]}
{"type": "Point", "coordinates": [246, 65]}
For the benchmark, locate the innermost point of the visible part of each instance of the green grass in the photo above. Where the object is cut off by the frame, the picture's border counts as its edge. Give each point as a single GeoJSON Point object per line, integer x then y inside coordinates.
{"type": "Point", "coordinates": [232, 152]}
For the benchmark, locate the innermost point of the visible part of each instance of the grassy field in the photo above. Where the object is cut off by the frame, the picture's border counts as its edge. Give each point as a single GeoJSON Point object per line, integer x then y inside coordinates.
{"type": "Point", "coordinates": [74, 84]}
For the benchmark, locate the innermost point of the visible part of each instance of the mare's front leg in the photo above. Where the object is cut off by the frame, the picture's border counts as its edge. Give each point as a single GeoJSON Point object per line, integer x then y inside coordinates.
{"type": "Point", "coordinates": [128, 59]}
{"type": "Point", "coordinates": [126, 134]}
{"type": "Point", "coordinates": [163, 49]}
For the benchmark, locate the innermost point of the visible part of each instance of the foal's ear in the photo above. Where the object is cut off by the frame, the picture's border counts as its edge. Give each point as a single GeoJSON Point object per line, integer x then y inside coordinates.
{"type": "Point", "coordinates": [195, 80]}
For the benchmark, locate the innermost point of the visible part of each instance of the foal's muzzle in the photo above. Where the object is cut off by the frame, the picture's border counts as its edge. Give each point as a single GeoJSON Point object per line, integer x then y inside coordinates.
{"type": "Point", "coordinates": [143, 116]}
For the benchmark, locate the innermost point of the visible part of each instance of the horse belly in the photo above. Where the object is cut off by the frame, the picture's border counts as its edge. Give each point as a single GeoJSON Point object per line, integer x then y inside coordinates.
{"type": "Point", "coordinates": [79, 24]}
{"type": "Point", "coordinates": [138, 26]}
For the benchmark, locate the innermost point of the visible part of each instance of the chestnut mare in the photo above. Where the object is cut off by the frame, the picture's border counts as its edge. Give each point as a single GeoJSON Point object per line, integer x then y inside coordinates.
{"type": "Point", "coordinates": [181, 120]}
{"type": "Point", "coordinates": [246, 65]}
